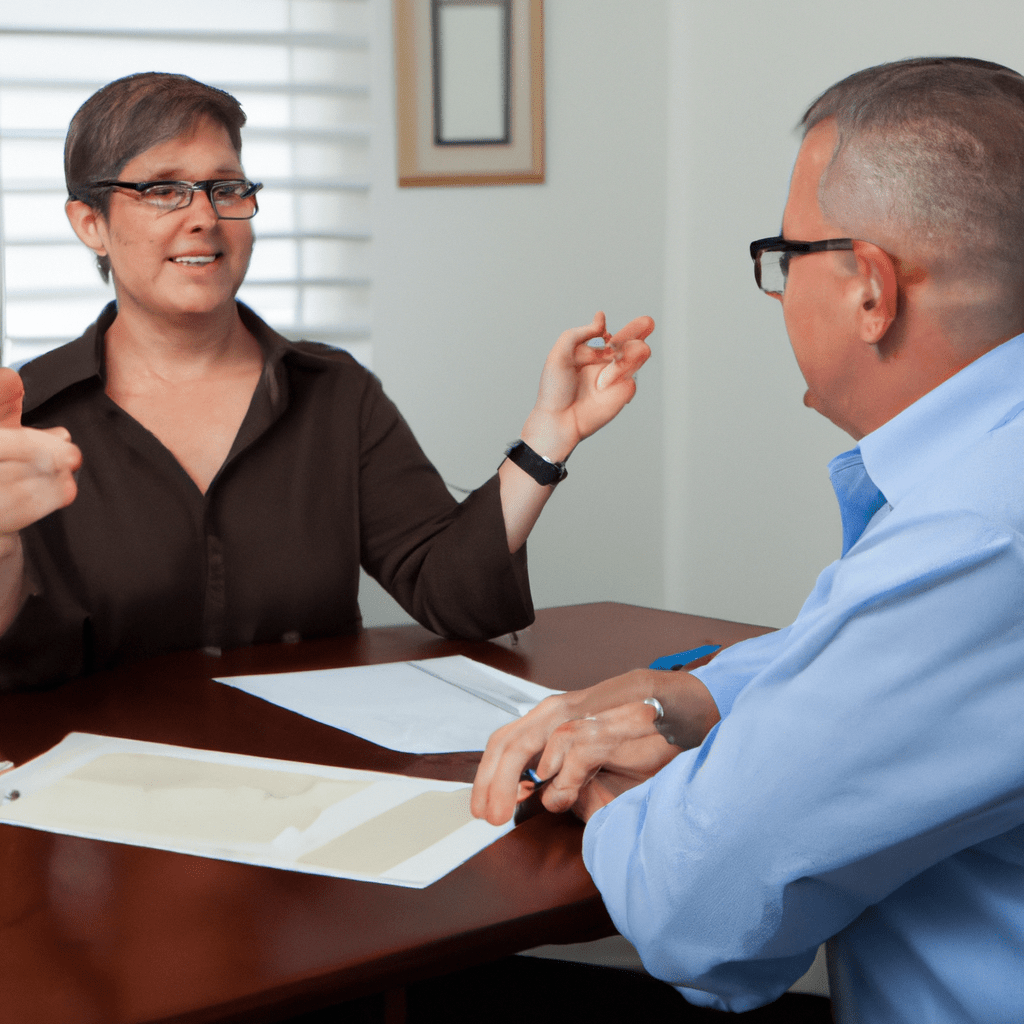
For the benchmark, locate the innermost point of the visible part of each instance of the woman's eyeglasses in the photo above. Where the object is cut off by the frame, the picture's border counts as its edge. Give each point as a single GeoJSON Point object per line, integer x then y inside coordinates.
{"type": "Point", "coordinates": [233, 199]}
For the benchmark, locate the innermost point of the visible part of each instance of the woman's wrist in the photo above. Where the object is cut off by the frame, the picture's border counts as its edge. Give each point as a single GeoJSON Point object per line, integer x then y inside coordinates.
{"type": "Point", "coordinates": [547, 436]}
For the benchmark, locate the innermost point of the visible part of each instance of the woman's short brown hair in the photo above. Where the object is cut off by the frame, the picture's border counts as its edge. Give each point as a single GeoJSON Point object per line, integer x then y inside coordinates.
{"type": "Point", "coordinates": [131, 115]}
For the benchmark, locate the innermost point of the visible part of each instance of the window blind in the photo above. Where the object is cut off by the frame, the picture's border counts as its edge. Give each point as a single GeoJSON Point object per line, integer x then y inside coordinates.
{"type": "Point", "coordinates": [300, 68]}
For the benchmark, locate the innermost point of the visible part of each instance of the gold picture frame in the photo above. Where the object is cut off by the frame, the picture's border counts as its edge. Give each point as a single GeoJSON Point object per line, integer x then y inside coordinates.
{"type": "Point", "coordinates": [469, 77]}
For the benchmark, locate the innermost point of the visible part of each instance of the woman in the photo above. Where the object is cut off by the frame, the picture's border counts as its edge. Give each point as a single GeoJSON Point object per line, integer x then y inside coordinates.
{"type": "Point", "coordinates": [182, 476]}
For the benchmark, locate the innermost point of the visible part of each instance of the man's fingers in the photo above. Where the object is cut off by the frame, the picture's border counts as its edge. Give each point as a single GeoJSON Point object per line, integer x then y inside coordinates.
{"type": "Point", "coordinates": [512, 747]}
{"type": "Point", "coordinates": [12, 391]}
{"type": "Point", "coordinates": [29, 501]}
{"type": "Point", "coordinates": [578, 750]}
{"type": "Point", "coordinates": [633, 355]}
{"type": "Point", "coordinates": [509, 750]}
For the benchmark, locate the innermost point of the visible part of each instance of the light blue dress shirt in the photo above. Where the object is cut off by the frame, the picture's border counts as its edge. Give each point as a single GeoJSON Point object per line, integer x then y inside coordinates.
{"type": "Point", "coordinates": [866, 783]}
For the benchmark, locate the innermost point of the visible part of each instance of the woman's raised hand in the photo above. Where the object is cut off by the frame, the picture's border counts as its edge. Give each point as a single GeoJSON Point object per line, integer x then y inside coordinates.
{"type": "Point", "coordinates": [582, 387]}
{"type": "Point", "coordinates": [36, 478]}
{"type": "Point", "coordinates": [36, 466]}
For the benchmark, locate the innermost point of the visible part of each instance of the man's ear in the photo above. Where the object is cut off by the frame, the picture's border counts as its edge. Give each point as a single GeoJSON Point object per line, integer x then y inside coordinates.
{"type": "Point", "coordinates": [88, 224]}
{"type": "Point", "coordinates": [879, 293]}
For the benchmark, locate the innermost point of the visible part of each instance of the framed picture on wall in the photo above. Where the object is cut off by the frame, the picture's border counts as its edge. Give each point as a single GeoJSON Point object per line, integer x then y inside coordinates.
{"type": "Point", "coordinates": [469, 78]}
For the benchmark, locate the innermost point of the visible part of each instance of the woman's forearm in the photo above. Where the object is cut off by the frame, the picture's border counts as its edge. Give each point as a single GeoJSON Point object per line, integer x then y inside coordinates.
{"type": "Point", "coordinates": [522, 497]}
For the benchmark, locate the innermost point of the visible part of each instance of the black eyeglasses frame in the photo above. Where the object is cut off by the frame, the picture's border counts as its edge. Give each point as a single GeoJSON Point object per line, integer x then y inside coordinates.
{"type": "Point", "coordinates": [779, 244]}
{"type": "Point", "coordinates": [207, 186]}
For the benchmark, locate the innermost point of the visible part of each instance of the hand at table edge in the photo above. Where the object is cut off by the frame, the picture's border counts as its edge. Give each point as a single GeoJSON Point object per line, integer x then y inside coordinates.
{"type": "Point", "coordinates": [570, 737]}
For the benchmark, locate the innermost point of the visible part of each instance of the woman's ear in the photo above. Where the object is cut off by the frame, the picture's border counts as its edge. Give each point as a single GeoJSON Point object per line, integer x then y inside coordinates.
{"type": "Point", "coordinates": [879, 292]}
{"type": "Point", "coordinates": [88, 224]}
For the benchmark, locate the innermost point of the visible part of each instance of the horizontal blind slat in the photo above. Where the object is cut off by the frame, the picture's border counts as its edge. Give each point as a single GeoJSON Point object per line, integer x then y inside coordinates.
{"type": "Point", "coordinates": [307, 40]}
{"type": "Point", "coordinates": [307, 140]}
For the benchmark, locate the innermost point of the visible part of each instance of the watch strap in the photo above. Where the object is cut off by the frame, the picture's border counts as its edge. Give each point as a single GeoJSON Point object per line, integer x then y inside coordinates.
{"type": "Point", "coordinates": [544, 471]}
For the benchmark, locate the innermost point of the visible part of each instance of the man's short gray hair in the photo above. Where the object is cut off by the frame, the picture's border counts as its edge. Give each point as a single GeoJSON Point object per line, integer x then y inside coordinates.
{"type": "Point", "coordinates": [930, 154]}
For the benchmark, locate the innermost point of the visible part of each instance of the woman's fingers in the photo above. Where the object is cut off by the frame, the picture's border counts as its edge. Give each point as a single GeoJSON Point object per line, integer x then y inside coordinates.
{"type": "Point", "coordinates": [631, 355]}
{"type": "Point", "coordinates": [576, 338]}
{"type": "Point", "coordinates": [12, 391]}
{"type": "Point", "coordinates": [641, 327]}
{"type": "Point", "coordinates": [37, 470]}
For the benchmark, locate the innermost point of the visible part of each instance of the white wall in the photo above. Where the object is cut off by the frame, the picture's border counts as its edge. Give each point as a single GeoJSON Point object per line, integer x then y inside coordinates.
{"type": "Point", "coordinates": [750, 515]}
{"type": "Point", "coordinates": [670, 139]}
{"type": "Point", "coordinates": [473, 285]}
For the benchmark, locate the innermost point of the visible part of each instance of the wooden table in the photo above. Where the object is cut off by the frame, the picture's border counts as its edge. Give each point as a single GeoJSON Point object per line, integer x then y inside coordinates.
{"type": "Point", "coordinates": [102, 933]}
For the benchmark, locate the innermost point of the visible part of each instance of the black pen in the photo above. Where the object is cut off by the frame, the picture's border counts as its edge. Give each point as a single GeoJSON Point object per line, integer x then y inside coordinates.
{"type": "Point", "coordinates": [530, 775]}
{"type": "Point", "coordinates": [532, 804]}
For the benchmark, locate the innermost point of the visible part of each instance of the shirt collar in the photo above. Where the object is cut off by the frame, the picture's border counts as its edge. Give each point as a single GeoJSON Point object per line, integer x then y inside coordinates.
{"type": "Point", "coordinates": [950, 418]}
{"type": "Point", "coordinates": [78, 361]}
{"type": "Point", "coordinates": [83, 359]}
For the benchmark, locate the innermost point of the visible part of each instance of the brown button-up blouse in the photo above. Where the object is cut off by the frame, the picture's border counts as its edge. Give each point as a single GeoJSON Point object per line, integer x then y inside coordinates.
{"type": "Point", "coordinates": [323, 476]}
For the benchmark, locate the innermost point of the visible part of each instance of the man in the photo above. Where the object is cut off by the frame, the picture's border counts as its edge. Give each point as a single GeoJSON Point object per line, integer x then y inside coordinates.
{"type": "Point", "coordinates": [857, 777]}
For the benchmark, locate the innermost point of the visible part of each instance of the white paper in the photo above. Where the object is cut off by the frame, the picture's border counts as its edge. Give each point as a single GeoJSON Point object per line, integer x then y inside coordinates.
{"type": "Point", "coordinates": [316, 819]}
{"type": "Point", "coordinates": [403, 705]}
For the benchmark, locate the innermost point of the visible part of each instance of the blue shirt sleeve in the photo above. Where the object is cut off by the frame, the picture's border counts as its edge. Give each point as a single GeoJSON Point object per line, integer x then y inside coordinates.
{"type": "Point", "coordinates": [730, 670]}
{"type": "Point", "coordinates": [879, 734]}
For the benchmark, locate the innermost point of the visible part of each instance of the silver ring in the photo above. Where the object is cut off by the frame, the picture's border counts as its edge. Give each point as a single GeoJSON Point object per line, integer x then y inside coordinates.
{"type": "Point", "coordinates": [659, 711]}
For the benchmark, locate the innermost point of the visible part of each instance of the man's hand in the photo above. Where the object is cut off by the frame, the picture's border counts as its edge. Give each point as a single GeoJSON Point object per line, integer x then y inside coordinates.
{"type": "Point", "coordinates": [610, 752]}
{"type": "Point", "coordinates": [602, 789]}
{"type": "Point", "coordinates": [579, 732]}
{"type": "Point", "coordinates": [36, 466]}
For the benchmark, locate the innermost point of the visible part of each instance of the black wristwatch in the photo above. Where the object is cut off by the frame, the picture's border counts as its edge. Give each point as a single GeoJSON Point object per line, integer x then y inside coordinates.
{"type": "Point", "coordinates": [544, 471]}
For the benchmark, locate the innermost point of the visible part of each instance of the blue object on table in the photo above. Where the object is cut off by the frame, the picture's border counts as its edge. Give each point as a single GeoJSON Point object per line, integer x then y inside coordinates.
{"type": "Point", "coordinates": [531, 805]}
{"type": "Point", "coordinates": [671, 661]}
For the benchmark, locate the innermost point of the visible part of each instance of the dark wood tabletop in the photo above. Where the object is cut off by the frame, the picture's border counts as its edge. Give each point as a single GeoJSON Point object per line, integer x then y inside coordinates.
{"type": "Point", "coordinates": [103, 933]}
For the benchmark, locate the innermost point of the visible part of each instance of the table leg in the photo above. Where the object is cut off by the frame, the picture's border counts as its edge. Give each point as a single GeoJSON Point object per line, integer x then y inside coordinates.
{"type": "Point", "coordinates": [394, 1006]}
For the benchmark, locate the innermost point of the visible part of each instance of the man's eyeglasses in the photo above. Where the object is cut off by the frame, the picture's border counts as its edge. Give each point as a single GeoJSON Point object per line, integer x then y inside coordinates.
{"type": "Point", "coordinates": [233, 199]}
{"type": "Point", "coordinates": [771, 258]}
